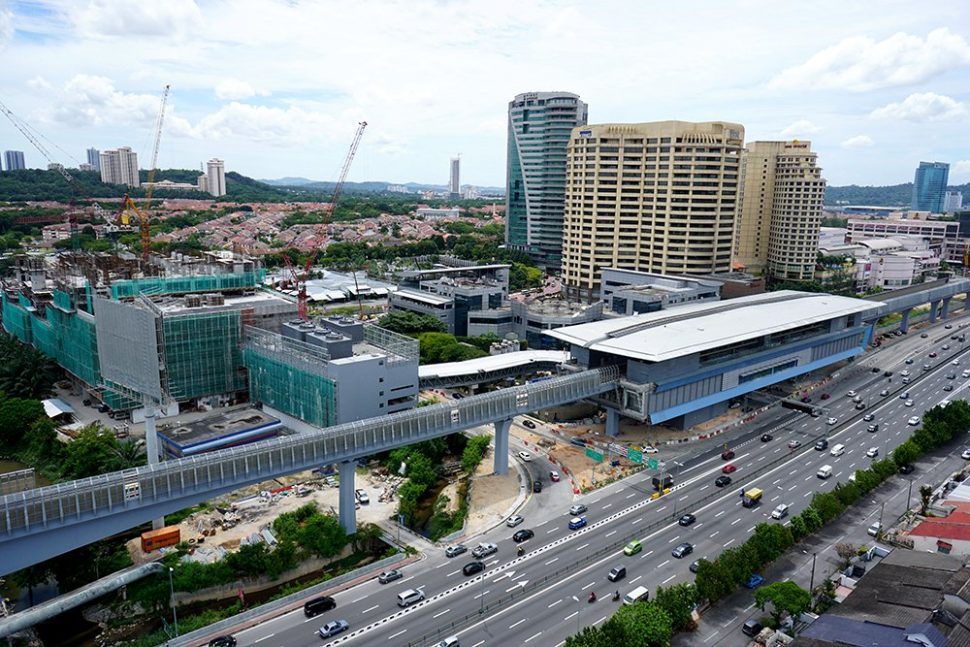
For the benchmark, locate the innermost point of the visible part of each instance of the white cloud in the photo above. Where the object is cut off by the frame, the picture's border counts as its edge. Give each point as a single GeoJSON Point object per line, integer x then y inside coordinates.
{"type": "Point", "coordinates": [800, 128]}
{"type": "Point", "coordinates": [860, 63]}
{"type": "Point", "coordinates": [960, 172]}
{"type": "Point", "coordinates": [859, 141]}
{"type": "Point", "coordinates": [922, 106]}
{"type": "Point", "coordinates": [39, 83]}
{"type": "Point", "coordinates": [277, 126]}
{"type": "Point", "coordinates": [173, 18]}
{"type": "Point", "coordinates": [234, 89]}
{"type": "Point", "coordinates": [6, 25]}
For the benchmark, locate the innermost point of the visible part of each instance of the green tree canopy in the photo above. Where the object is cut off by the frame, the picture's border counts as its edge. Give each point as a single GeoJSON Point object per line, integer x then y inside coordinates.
{"type": "Point", "coordinates": [411, 323]}
{"type": "Point", "coordinates": [786, 598]}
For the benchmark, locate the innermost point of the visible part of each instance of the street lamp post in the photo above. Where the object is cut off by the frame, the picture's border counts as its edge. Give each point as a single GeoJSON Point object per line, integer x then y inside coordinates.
{"type": "Point", "coordinates": [811, 586]}
{"type": "Point", "coordinates": [171, 591]}
{"type": "Point", "coordinates": [482, 596]}
{"type": "Point", "coordinates": [579, 610]}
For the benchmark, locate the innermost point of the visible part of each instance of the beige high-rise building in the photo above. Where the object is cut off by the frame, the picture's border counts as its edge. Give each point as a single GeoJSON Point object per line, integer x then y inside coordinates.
{"type": "Point", "coordinates": [216, 181]}
{"type": "Point", "coordinates": [656, 197]}
{"type": "Point", "coordinates": [120, 167]}
{"type": "Point", "coordinates": [782, 192]}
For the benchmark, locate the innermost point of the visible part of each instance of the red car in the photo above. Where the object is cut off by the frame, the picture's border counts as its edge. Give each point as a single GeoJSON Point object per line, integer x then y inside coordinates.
{"type": "Point", "coordinates": [729, 469]}
{"type": "Point", "coordinates": [554, 477]}
{"type": "Point", "coordinates": [727, 455]}
{"type": "Point", "coordinates": [825, 396]}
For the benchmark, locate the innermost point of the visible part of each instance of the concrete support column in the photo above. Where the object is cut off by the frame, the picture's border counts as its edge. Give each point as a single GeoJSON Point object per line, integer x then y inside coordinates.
{"type": "Point", "coordinates": [348, 512]}
{"type": "Point", "coordinates": [934, 306]}
{"type": "Point", "coordinates": [946, 307]}
{"type": "Point", "coordinates": [904, 322]}
{"type": "Point", "coordinates": [612, 422]}
{"type": "Point", "coordinates": [151, 448]}
{"type": "Point", "coordinates": [501, 458]}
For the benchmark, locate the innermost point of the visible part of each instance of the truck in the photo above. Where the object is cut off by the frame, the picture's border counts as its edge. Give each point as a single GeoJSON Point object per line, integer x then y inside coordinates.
{"type": "Point", "coordinates": [668, 481]}
{"type": "Point", "coordinates": [750, 498]}
{"type": "Point", "coordinates": [155, 539]}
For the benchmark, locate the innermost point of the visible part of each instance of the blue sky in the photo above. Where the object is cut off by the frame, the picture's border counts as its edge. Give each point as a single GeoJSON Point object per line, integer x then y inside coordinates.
{"type": "Point", "coordinates": [276, 88]}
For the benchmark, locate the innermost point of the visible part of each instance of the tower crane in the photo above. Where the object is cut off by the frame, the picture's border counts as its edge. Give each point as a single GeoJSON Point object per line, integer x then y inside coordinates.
{"type": "Point", "coordinates": [301, 279]}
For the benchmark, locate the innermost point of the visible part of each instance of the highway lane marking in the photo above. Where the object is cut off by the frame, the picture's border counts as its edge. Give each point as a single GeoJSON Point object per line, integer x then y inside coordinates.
{"type": "Point", "coordinates": [776, 482]}
{"type": "Point", "coordinates": [634, 580]}
{"type": "Point", "coordinates": [437, 615]}
{"type": "Point", "coordinates": [661, 509]}
{"type": "Point", "coordinates": [637, 520]}
{"type": "Point", "coordinates": [669, 578]}
{"type": "Point", "coordinates": [516, 624]}
{"type": "Point", "coordinates": [588, 585]}
{"type": "Point", "coordinates": [448, 575]}
{"type": "Point", "coordinates": [698, 525]}
{"type": "Point", "coordinates": [747, 608]}
{"type": "Point", "coordinates": [487, 591]}
{"type": "Point", "coordinates": [808, 478]}
{"type": "Point", "coordinates": [778, 450]}
{"type": "Point", "coordinates": [371, 609]}
{"type": "Point", "coordinates": [571, 615]}
{"type": "Point", "coordinates": [674, 539]}
{"type": "Point", "coordinates": [777, 496]}
{"type": "Point", "coordinates": [728, 543]}
{"type": "Point", "coordinates": [751, 528]}
{"type": "Point", "coordinates": [551, 530]}
{"type": "Point", "coordinates": [705, 487]}
{"type": "Point", "coordinates": [648, 553]}
{"type": "Point", "coordinates": [397, 634]}
{"type": "Point", "coordinates": [762, 458]}
{"type": "Point", "coordinates": [479, 643]}
{"type": "Point", "coordinates": [538, 525]}
{"type": "Point", "coordinates": [730, 621]}
{"type": "Point", "coordinates": [719, 513]}
{"type": "Point", "coordinates": [792, 488]}
{"type": "Point", "coordinates": [630, 496]}
{"type": "Point", "coordinates": [736, 521]}
{"type": "Point", "coordinates": [554, 559]}
{"type": "Point", "coordinates": [712, 635]}
{"type": "Point", "coordinates": [713, 534]}
{"type": "Point", "coordinates": [683, 497]}
{"type": "Point", "coordinates": [599, 621]}
{"type": "Point", "coordinates": [794, 471]}
{"type": "Point", "coordinates": [582, 547]}
{"type": "Point", "coordinates": [664, 564]}
{"type": "Point", "coordinates": [263, 638]}
{"type": "Point", "coordinates": [365, 597]}
{"type": "Point", "coordinates": [808, 494]}
{"type": "Point", "coordinates": [607, 506]}
{"type": "Point", "coordinates": [610, 533]}
{"type": "Point", "coordinates": [554, 603]}
{"type": "Point", "coordinates": [532, 636]}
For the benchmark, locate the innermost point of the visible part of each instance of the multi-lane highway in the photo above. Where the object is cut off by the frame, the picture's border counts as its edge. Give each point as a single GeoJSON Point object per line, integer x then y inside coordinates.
{"type": "Point", "coordinates": [541, 597]}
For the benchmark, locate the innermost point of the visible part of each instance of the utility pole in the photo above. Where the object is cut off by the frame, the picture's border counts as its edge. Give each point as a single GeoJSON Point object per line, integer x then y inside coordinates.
{"type": "Point", "coordinates": [171, 590]}
{"type": "Point", "coordinates": [811, 586]}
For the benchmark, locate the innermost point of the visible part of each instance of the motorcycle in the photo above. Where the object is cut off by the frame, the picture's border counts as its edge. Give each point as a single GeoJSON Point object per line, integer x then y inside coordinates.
{"type": "Point", "coordinates": [616, 596]}
{"type": "Point", "coordinates": [592, 597]}
{"type": "Point", "coordinates": [521, 551]}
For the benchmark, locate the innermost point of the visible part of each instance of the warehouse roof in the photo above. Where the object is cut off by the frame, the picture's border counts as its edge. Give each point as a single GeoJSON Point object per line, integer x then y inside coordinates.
{"type": "Point", "coordinates": [683, 330]}
{"type": "Point", "coordinates": [492, 363]}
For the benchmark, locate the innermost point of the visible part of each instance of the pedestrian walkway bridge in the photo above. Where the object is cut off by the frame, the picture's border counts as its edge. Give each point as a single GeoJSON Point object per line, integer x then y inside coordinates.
{"type": "Point", "coordinates": [39, 524]}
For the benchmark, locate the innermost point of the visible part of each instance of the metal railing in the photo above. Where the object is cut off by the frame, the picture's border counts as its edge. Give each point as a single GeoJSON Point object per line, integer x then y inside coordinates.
{"type": "Point", "coordinates": [197, 478]}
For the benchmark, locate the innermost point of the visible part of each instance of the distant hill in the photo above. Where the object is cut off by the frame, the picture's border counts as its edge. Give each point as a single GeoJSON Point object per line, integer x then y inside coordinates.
{"type": "Point", "coordinates": [895, 195]}
{"type": "Point", "coordinates": [368, 186]}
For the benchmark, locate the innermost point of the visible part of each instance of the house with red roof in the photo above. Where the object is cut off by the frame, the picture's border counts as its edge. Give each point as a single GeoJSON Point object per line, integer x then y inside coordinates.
{"type": "Point", "coordinates": [949, 535]}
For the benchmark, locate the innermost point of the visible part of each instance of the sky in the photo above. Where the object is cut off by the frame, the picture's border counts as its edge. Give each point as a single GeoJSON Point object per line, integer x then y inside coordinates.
{"type": "Point", "coordinates": [276, 88]}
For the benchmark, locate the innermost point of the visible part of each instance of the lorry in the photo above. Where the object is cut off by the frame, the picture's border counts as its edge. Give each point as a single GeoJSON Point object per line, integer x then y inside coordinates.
{"type": "Point", "coordinates": [751, 497]}
{"type": "Point", "coordinates": [667, 482]}
{"type": "Point", "coordinates": [155, 539]}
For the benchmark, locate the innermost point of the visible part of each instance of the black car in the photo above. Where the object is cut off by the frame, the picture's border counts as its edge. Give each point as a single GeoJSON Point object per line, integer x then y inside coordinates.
{"type": "Point", "coordinates": [687, 519]}
{"type": "Point", "coordinates": [529, 424]}
{"type": "Point", "coordinates": [821, 445]}
{"type": "Point", "coordinates": [887, 374]}
{"type": "Point", "coordinates": [721, 481]}
{"type": "Point", "coordinates": [766, 437]}
{"type": "Point", "coordinates": [860, 405]}
{"type": "Point", "coordinates": [471, 568]}
{"type": "Point", "coordinates": [948, 387]}
{"type": "Point", "coordinates": [875, 369]}
{"type": "Point", "coordinates": [694, 565]}
{"type": "Point", "coordinates": [537, 486]}
{"type": "Point", "coordinates": [906, 469]}
{"type": "Point", "coordinates": [318, 606]}
{"type": "Point", "coordinates": [682, 550]}
{"type": "Point", "coordinates": [223, 641]}
{"type": "Point", "coordinates": [522, 535]}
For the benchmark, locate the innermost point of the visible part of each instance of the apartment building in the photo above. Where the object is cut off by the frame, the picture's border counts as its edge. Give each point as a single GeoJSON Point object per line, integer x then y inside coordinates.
{"type": "Point", "coordinates": [120, 166]}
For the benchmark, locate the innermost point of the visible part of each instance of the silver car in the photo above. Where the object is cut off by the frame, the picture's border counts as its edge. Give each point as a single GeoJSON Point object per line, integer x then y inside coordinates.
{"type": "Point", "coordinates": [484, 550]}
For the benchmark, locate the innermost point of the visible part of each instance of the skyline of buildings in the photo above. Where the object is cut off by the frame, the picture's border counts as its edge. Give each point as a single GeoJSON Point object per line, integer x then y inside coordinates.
{"type": "Point", "coordinates": [94, 159]}
{"type": "Point", "coordinates": [656, 197]}
{"type": "Point", "coordinates": [454, 179]}
{"type": "Point", "coordinates": [539, 128]}
{"type": "Point", "coordinates": [929, 186]}
{"type": "Point", "coordinates": [13, 161]}
{"type": "Point", "coordinates": [120, 166]}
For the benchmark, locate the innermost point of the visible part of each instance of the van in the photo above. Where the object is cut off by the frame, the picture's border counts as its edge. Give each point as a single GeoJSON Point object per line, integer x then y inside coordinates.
{"type": "Point", "coordinates": [824, 472]}
{"type": "Point", "coordinates": [780, 512]}
{"type": "Point", "coordinates": [317, 606]}
{"type": "Point", "coordinates": [636, 595]}
{"type": "Point", "coordinates": [616, 573]}
{"type": "Point", "coordinates": [838, 450]}
{"type": "Point", "coordinates": [751, 628]}
{"type": "Point", "coordinates": [905, 380]}
{"type": "Point", "coordinates": [409, 597]}
{"type": "Point", "coordinates": [750, 498]}
{"type": "Point", "coordinates": [965, 373]}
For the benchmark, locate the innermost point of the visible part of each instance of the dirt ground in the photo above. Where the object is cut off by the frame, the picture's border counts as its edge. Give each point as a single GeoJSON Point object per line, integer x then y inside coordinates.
{"type": "Point", "coordinates": [491, 496]}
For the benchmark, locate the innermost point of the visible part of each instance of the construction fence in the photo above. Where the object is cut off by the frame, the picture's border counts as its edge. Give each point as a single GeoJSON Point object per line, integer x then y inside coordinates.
{"type": "Point", "coordinates": [185, 284]}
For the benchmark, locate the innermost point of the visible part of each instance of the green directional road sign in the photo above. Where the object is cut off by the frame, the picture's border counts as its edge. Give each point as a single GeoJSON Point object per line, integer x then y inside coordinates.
{"type": "Point", "coordinates": [653, 463]}
{"type": "Point", "coordinates": [634, 455]}
{"type": "Point", "coordinates": [595, 455]}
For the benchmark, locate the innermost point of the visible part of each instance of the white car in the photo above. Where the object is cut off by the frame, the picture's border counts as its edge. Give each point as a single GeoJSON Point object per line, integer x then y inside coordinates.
{"type": "Point", "coordinates": [831, 421]}
{"type": "Point", "coordinates": [965, 455]}
{"type": "Point", "coordinates": [649, 450]}
{"type": "Point", "coordinates": [908, 403]}
{"type": "Point", "coordinates": [873, 452]}
{"type": "Point", "coordinates": [913, 421]}
{"type": "Point", "coordinates": [362, 497]}
{"type": "Point", "coordinates": [526, 456]}
{"type": "Point", "coordinates": [514, 520]}
{"type": "Point", "coordinates": [874, 529]}
{"type": "Point", "coordinates": [851, 394]}
{"type": "Point", "coordinates": [904, 373]}
{"type": "Point", "coordinates": [955, 362]}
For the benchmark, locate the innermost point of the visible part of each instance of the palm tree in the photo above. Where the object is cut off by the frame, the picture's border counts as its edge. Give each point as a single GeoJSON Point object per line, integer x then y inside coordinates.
{"type": "Point", "coordinates": [130, 454]}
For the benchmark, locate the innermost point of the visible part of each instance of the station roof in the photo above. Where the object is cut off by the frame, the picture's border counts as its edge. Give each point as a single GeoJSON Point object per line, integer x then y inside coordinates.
{"type": "Point", "coordinates": [687, 329]}
{"type": "Point", "coordinates": [425, 297]}
{"type": "Point", "coordinates": [492, 363]}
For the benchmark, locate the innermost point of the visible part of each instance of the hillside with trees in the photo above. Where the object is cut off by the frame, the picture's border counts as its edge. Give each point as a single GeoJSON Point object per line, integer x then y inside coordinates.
{"type": "Point", "coordinates": [895, 195]}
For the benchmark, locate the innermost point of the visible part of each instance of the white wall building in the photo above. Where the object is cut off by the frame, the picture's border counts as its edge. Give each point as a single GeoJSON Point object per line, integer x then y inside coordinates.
{"type": "Point", "coordinates": [952, 201]}
{"type": "Point", "coordinates": [120, 167]}
{"type": "Point", "coordinates": [216, 177]}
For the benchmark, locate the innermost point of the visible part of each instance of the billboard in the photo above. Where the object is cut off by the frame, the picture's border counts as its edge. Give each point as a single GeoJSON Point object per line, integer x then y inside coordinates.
{"type": "Point", "coordinates": [128, 346]}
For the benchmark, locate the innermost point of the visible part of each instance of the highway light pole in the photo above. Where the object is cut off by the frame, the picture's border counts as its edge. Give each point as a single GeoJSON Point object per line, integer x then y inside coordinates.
{"type": "Point", "coordinates": [482, 596]}
{"type": "Point", "coordinates": [171, 598]}
{"type": "Point", "coordinates": [579, 609]}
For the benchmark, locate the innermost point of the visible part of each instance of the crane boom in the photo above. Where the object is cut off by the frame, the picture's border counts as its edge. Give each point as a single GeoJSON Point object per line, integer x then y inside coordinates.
{"type": "Point", "coordinates": [345, 169]}
{"type": "Point", "coordinates": [145, 225]}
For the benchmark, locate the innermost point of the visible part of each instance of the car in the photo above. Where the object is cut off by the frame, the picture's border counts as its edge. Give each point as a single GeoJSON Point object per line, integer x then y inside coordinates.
{"type": "Point", "coordinates": [873, 428]}
{"type": "Point", "coordinates": [514, 520]}
{"type": "Point", "coordinates": [821, 445]}
{"type": "Point", "coordinates": [825, 396]}
{"type": "Point", "coordinates": [906, 469]}
{"type": "Point", "coordinates": [577, 509]}
{"type": "Point", "coordinates": [754, 581]}
{"type": "Point", "coordinates": [884, 392]}
{"type": "Point", "coordinates": [955, 362]}
{"type": "Point", "coordinates": [682, 550]}
{"type": "Point", "coordinates": [924, 335]}
{"type": "Point", "coordinates": [526, 456]}
{"type": "Point", "coordinates": [647, 449]}
{"type": "Point", "coordinates": [633, 547]}
{"type": "Point", "coordinates": [876, 369]}
{"type": "Point", "coordinates": [926, 367]}
{"type": "Point", "coordinates": [948, 387]}
{"type": "Point", "coordinates": [857, 398]}
{"type": "Point", "coordinates": [730, 468]}
{"type": "Point", "coordinates": [815, 413]}
{"type": "Point", "coordinates": [103, 408]}
{"type": "Point", "coordinates": [528, 424]}
{"type": "Point", "coordinates": [471, 568]}
{"type": "Point", "coordinates": [831, 421]}
{"type": "Point", "coordinates": [554, 476]}
{"type": "Point", "coordinates": [766, 438]}
{"type": "Point", "coordinates": [450, 641]}
{"type": "Point", "coordinates": [316, 606]}
{"type": "Point", "coordinates": [887, 374]}
{"type": "Point", "coordinates": [913, 421]}
{"type": "Point", "coordinates": [455, 550]}
{"type": "Point", "coordinates": [333, 628]}
{"type": "Point", "coordinates": [874, 529]}
{"type": "Point", "coordinates": [908, 403]}
{"type": "Point", "coordinates": [946, 347]}
{"type": "Point", "coordinates": [537, 486]}
{"type": "Point", "coordinates": [904, 373]}
{"type": "Point", "coordinates": [389, 576]}
{"type": "Point", "coordinates": [752, 627]}
{"type": "Point", "coordinates": [909, 360]}
{"type": "Point", "coordinates": [780, 511]}
{"type": "Point", "coordinates": [727, 454]}
{"type": "Point", "coordinates": [223, 641]}
{"type": "Point", "coordinates": [522, 535]}
{"type": "Point", "coordinates": [948, 326]}
{"type": "Point", "coordinates": [904, 395]}
{"type": "Point", "coordinates": [687, 519]}
{"type": "Point", "coordinates": [872, 452]}
{"type": "Point", "coordinates": [721, 481]}
{"type": "Point", "coordinates": [577, 522]}
{"type": "Point", "coordinates": [806, 399]}
{"type": "Point", "coordinates": [851, 394]}
{"type": "Point", "coordinates": [932, 355]}
{"type": "Point", "coordinates": [860, 405]}
{"type": "Point", "coordinates": [794, 444]}
{"type": "Point", "coordinates": [951, 376]}
{"type": "Point", "coordinates": [868, 417]}
{"type": "Point", "coordinates": [362, 497]}
{"type": "Point", "coordinates": [965, 455]}
{"type": "Point", "coordinates": [484, 550]}
{"type": "Point", "coordinates": [695, 565]}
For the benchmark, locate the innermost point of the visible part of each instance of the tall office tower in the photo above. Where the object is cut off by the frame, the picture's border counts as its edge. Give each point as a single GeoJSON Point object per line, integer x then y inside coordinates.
{"type": "Point", "coordinates": [656, 197]}
{"type": "Point", "coordinates": [952, 201]}
{"type": "Point", "coordinates": [535, 186]}
{"type": "Point", "coordinates": [777, 228]}
{"type": "Point", "coordinates": [929, 186]}
{"type": "Point", "coordinates": [94, 158]}
{"type": "Point", "coordinates": [120, 167]}
{"type": "Point", "coordinates": [454, 180]}
{"type": "Point", "coordinates": [216, 172]}
{"type": "Point", "coordinates": [14, 160]}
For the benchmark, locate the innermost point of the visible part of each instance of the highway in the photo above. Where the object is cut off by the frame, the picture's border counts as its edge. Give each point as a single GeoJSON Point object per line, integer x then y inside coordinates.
{"type": "Point", "coordinates": [540, 598]}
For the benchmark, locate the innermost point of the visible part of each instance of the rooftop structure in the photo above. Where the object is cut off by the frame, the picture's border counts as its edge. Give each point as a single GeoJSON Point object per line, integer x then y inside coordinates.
{"type": "Point", "coordinates": [238, 427]}
{"type": "Point", "coordinates": [628, 292]}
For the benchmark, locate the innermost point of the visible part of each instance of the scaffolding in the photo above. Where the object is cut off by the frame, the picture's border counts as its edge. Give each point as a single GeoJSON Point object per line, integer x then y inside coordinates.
{"type": "Point", "coordinates": [16, 319]}
{"type": "Point", "coordinates": [289, 375]}
{"type": "Point", "coordinates": [185, 284]}
{"type": "Point", "coordinates": [401, 349]}
{"type": "Point", "coordinates": [202, 354]}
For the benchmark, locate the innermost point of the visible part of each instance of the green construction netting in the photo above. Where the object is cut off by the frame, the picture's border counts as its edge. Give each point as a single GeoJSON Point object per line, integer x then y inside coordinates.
{"type": "Point", "coordinates": [70, 338]}
{"type": "Point", "coordinates": [300, 393]}
{"type": "Point", "coordinates": [186, 284]}
{"type": "Point", "coordinates": [202, 354]}
{"type": "Point", "coordinates": [16, 320]}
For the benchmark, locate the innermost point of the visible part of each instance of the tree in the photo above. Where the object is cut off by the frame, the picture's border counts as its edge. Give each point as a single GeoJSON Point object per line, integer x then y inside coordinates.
{"type": "Point", "coordinates": [367, 537]}
{"type": "Point", "coordinates": [25, 372]}
{"type": "Point", "coordinates": [16, 416]}
{"type": "Point", "coordinates": [785, 598]}
{"type": "Point", "coordinates": [925, 492]}
{"type": "Point", "coordinates": [846, 552]}
{"type": "Point", "coordinates": [474, 452]}
{"type": "Point", "coordinates": [323, 535]}
{"type": "Point", "coordinates": [95, 450]}
{"type": "Point", "coordinates": [644, 624]}
{"type": "Point", "coordinates": [678, 601]}
{"type": "Point", "coordinates": [712, 581]}
{"type": "Point", "coordinates": [906, 453]}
